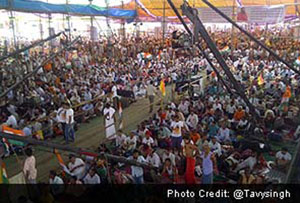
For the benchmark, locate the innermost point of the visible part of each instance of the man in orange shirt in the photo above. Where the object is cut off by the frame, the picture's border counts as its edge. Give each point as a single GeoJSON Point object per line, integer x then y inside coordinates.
{"type": "Point", "coordinates": [239, 114]}
{"type": "Point", "coordinates": [195, 137]}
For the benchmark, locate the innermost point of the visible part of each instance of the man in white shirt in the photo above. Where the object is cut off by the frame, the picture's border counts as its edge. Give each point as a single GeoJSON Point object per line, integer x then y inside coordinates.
{"type": "Point", "coordinates": [215, 146]}
{"type": "Point", "coordinates": [136, 171]}
{"type": "Point", "coordinates": [76, 166]}
{"type": "Point", "coordinates": [29, 168]}
{"type": "Point", "coordinates": [69, 127]}
{"type": "Point", "coordinates": [168, 154]}
{"type": "Point", "coordinates": [130, 143]}
{"type": "Point", "coordinates": [153, 159]}
{"type": "Point", "coordinates": [223, 134]}
{"type": "Point", "coordinates": [115, 97]}
{"type": "Point", "coordinates": [192, 120]}
{"type": "Point", "coordinates": [120, 138]}
{"type": "Point", "coordinates": [109, 121]}
{"type": "Point", "coordinates": [148, 140]}
{"type": "Point", "coordinates": [176, 135]}
{"type": "Point", "coordinates": [56, 182]}
{"type": "Point", "coordinates": [12, 121]}
{"type": "Point", "coordinates": [283, 159]}
{"type": "Point", "coordinates": [92, 177]}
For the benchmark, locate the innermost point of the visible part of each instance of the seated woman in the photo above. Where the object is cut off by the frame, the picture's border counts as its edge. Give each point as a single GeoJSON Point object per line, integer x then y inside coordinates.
{"type": "Point", "coordinates": [169, 172]}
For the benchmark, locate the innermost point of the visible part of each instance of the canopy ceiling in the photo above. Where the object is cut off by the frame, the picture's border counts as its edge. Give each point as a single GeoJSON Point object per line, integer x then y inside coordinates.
{"type": "Point", "coordinates": [156, 7]}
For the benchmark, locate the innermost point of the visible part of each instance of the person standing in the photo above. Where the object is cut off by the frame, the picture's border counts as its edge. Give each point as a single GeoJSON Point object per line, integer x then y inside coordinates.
{"type": "Point", "coordinates": [137, 172]}
{"type": "Point", "coordinates": [29, 168]}
{"type": "Point", "coordinates": [151, 95]}
{"type": "Point", "coordinates": [190, 150]}
{"type": "Point", "coordinates": [115, 96]}
{"type": "Point", "coordinates": [69, 130]}
{"type": "Point", "coordinates": [208, 161]}
{"type": "Point", "coordinates": [109, 121]}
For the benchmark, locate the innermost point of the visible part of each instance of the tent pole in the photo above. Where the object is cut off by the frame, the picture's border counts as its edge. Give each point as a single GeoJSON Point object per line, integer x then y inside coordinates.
{"type": "Point", "coordinates": [76, 150]}
{"type": "Point", "coordinates": [232, 28]}
{"type": "Point", "coordinates": [123, 26]}
{"type": "Point", "coordinates": [68, 19]}
{"type": "Point", "coordinates": [92, 23]}
{"type": "Point", "coordinates": [12, 24]}
{"type": "Point", "coordinates": [164, 23]}
{"type": "Point", "coordinates": [41, 27]}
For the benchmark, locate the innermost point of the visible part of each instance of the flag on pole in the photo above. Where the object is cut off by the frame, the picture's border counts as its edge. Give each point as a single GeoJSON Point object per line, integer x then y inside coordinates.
{"type": "Point", "coordinates": [225, 49]}
{"type": "Point", "coordinates": [3, 174]}
{"type": "Point", "coordinates": [162, 87]}
{"type": "Point", "coordinates": [62, 163]}
{"type": "Point", "coordinates": [120, 115]}
{"type": "Point", "coordinates": [288, 92]}
{"type": "Point", "coordinates": [260, 79]}
{"type": "Point", "coordinates": [297, 62]}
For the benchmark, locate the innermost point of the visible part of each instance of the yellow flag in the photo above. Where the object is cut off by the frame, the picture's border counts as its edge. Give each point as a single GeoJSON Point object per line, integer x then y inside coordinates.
{"type": "Point", "coordinates": [162, 87]}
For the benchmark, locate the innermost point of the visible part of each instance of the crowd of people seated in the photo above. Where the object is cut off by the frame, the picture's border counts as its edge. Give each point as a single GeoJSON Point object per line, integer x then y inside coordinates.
{"type": "Point", "coordinates": [205, 139]}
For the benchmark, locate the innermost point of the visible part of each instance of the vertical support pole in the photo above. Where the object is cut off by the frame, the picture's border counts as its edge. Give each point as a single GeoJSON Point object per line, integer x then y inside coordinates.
{"type": "Point", "coordinates": [232, 28]}
{"type": "Point", "coordinates": [68, 19]}
{"type": "Point", "coordinates": [12, 24]}
{"type": "Point", "coordinates": [92, 24]}
{"type": "Point", "coordinates": [41, 28]}
{"type": "Point", "coordinates": [164, 23]}
{"type": "Point", "coordinates": [123, 26]}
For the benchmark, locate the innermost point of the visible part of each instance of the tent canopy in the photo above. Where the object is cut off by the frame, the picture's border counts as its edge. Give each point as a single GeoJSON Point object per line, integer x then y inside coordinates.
{"type": "Point", "coordinates": [73, 9]}
{"type": "Point", "coordinates": [154, 8]}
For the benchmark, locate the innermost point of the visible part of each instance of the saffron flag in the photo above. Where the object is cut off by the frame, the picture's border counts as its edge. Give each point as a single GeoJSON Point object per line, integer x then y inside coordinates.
{"type": "Point", "coordinates": [3, 174]}
{"type": "Point", "coordinates": [225, 49]}
{"type": "Point", "coordinates": [61, 162]}
{"type": "Point", "coordinates": [260, 79]}
{"type": "Point", "coordinates": [162, 87]}
{"type": "Point", "coordinates": [297, 62]}
{"type": "Point", "coordinates": [120, 116]}
{"type": "Point", "coordinates": [288, 92]}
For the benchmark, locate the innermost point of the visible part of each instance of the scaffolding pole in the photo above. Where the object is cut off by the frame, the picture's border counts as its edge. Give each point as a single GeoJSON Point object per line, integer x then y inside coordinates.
{"type": "Point", "coordinates": [164, 23]}
{"type": "Point", "coordinates": [75, 150]}
{"type": "Point", "coordinates": [12, 24]}
{"type": "Point", "coordinates": [92, 24]}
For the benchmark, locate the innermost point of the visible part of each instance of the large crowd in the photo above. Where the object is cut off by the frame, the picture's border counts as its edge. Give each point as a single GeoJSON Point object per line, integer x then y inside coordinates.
{"type": "Point", "coordinates": [206, 136]}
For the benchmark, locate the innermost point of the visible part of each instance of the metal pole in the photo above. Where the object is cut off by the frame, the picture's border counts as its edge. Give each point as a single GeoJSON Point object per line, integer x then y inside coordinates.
{"type": "Point", "coordinates": [41, 27]}
{"type": "Point", "coordinates": [232, 28]}
{"type": "Point", "coordinates": [251, 37]}
{"type": "Point", "coordinates": [76, 150]}
{"type": "Point", "coordinates": [37, 68]}
{"type": "Point", "coordinates": [92, 24]}
{"type": "Point", "coordinates": [12, 23]}
{"type": "Point", "coordinates": [123, 26]}
{"type": "Point", "coordinates": [68, 19]}
{"type": "Point", "coordinates": [164, 23]}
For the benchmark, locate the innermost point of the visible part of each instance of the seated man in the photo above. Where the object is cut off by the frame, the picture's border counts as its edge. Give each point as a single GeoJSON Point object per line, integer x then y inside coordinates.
{"type": "Point", "coordinates": [215, 146]}
{"type": "Point", "coordinates": [283, 158]}
{"type": "Point", "coordinates": [130, 144]}
{"type": "Point", "coordinates": [76, 166]}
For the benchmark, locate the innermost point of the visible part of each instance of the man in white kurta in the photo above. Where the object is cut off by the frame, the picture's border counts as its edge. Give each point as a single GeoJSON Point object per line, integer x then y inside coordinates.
{"type": "Point", "coordinates": [109, 118]}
